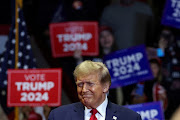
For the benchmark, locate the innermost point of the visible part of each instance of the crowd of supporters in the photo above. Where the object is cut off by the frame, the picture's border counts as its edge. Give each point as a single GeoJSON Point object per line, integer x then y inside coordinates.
{"type": "Point", "coordinates": [122, 24]}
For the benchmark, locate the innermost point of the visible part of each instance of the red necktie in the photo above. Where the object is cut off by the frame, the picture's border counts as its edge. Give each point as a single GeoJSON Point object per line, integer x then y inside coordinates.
{"type": "Point", "coordinates": [93, 117]}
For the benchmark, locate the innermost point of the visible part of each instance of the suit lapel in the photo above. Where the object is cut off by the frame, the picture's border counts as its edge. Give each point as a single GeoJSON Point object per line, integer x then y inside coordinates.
{"type": "Point", "coordinates": [110, 111]}
{"type": "Point", "coordinates": [78, 112]}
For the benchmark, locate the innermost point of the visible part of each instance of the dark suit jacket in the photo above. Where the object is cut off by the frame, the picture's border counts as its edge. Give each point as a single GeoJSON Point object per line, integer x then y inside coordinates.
{"type": "Point", "coordinates": [75, 111]}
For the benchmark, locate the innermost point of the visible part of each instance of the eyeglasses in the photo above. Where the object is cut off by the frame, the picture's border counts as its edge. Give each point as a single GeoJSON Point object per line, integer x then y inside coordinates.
{"type": "Point", "coordinates": [86, 84]}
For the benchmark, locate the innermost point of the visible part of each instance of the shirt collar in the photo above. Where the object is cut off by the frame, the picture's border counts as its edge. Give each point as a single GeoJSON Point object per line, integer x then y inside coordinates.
{"type": "Point", "coordinates": [100, 108]}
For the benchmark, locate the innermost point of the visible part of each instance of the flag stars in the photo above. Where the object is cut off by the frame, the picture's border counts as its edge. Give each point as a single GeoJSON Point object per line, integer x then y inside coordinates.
{"type": "Point", "coordinates": [14, 30]}
{"type": "Point", "coordinates": [21, 43]}
{"type": "Point", "coordinates": [2, 59]}
{"type": "Point", "coordinates": [25, 66]}
{"type": "Point", "coordinates": [27, 57]}
{"type": "Point", "coordinates": [13, 41]}
{"type": "Point", "coordinates": [11, 52]}
{"type": "Point", "coordinates": [28, 47]}
{"type": "Point", "coordinates": [22, 34]}
{"type": "Point", "coordinates": [5, 82]}
{"type": "Point", "coordinates": [0, 69]}
{"type": "Point", "coordinates": [18, 20]}
{"type": "Point", "coordinates": [9, 62]}
{"type": "Point", "coordinates": [3, 92]}
{"type": "Point", "coordinates": [20, 54]}
{"type": "Point", "coordinates": [19, 64]}
{"type": "Point", "coordinates": [23, 23]}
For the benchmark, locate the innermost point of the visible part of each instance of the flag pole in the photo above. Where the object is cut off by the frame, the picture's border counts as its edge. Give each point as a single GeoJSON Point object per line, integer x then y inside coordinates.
{"type": "Point", "coordinates": [18, 3]}
{"type": "Point", "coordinates": [17, 34]}
{"type": "Point", "coordinates": [16, 48]}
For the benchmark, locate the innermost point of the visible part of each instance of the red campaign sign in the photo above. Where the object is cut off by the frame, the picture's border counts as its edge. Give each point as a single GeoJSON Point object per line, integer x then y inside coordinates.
{"type": "Point", "coordinates": [34, 87]}
{"type": "Point", "coordinates": [69, 36]}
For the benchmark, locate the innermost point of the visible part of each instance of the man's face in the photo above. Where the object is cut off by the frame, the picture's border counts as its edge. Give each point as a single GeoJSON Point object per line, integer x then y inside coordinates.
{"type": "Point", "coordinates": [91, 91]}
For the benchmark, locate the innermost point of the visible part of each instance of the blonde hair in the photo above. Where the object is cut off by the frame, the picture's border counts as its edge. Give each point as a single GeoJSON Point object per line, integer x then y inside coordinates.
{"type": "Point", "coordinates": [89, 67]}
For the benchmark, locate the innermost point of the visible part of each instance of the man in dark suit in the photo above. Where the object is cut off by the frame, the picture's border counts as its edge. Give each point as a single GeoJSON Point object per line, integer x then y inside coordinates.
{"type": "Point", "coordinates": [93, 81]}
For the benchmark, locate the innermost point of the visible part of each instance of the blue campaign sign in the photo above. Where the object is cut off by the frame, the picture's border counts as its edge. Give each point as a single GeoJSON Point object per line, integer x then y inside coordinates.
{"type": "Point", "coordinates": [128, 66]}
{"type": "Point", "coordinates": [148, 111]}
{"type": "Point", "coordinates": [171, 15]}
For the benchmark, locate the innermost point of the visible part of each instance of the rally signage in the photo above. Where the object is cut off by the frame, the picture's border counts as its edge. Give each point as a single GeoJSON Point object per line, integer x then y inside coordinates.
{"type": "Point", "coordinates": [34, 87]}
{"type": "Point", "coordinates": [128, 66]}
{"type": "Point", "coordinates": [171, 15]}
{"type": "Point", "coordinates": [70, 36]}
{"type": "Point", "coordinates": [148, 111]}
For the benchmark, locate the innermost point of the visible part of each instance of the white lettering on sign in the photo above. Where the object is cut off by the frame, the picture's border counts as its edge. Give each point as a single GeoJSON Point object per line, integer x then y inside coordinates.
{"type": "Point", "coordinates": [116, 62]}
{"type": "Point", "coordinates": [148, 114]}
{"type": "Point", "coordinates": [74, 37]}
{"type": "Point", "coordinates": [74, 46]}
{"type": "Point", "coordinates": [122, 70]}
{"type": "Point", "coordinates": [73, 29]}
{"type": "Point", "coordinates": [34, 86]}
{"type": "Point", "coordinates": [175, 4]}
{"type": "Point", "coordinates": [33, 77]}
{"type": "Point", "coordinates": [125, 65]}
{"type": "Point", "coordinates": [31, 97]}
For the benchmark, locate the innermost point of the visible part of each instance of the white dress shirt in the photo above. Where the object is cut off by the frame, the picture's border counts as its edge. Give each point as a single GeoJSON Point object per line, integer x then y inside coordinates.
{"type": "Point", "coordinates": [101, 115]}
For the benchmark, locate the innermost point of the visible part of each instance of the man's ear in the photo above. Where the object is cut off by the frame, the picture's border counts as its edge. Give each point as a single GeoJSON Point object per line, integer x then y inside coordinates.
{"type": "Point", "coordinates": [106, 87]}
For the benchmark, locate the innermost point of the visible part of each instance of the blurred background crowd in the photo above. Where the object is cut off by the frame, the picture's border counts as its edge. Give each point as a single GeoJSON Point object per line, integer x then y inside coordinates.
{"type": "Point", "coordinates": [122, 24]}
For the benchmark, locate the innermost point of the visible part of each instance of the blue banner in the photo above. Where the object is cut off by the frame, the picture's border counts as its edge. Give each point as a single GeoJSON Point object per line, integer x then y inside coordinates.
{"type": "Point", "coordinates": [148, 111]}
{"type": "Point", "coordinates": [171, 15]}
{"type": "Point", "coordinates": [128, 66]}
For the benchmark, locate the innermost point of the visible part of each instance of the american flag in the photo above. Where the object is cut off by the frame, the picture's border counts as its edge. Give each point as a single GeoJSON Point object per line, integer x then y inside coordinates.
{"type": "Point", "coordinates": [25, 55]}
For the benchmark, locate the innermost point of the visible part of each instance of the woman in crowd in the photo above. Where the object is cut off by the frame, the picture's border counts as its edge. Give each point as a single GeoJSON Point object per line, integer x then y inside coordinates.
{"type": "Point", "coordinates": [151, 90]}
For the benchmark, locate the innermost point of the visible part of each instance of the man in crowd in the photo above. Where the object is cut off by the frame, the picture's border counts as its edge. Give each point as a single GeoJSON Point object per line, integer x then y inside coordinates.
{"type": "Point", "coordinates": [93, 81]}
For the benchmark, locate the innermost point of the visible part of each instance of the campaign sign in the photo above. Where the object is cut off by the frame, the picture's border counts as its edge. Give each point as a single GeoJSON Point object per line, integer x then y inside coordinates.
{"type": "Point", "coordinates": [70, 36]}
{"type": "Point", "coordinates": [171, 15]}
{"type": "Point", "coordinates": [128, 66]}
{"type": "Point", "coordinates": [34, 87]}
{"type": "Point", "coordinates": [148, 111]}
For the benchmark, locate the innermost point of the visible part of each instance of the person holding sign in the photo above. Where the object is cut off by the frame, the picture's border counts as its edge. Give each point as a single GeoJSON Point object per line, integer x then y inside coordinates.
{"type": "Point", "coordinates": [93, 81]}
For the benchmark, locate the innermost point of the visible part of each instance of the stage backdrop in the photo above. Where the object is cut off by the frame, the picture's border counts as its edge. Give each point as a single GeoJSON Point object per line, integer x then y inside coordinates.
{"type": "Point", "coordinates": [34, 87]}
{"type": "Point", "coordinates": [69, 36]}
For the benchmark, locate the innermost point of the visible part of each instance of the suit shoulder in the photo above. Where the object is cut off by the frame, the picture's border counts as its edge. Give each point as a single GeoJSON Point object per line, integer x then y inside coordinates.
{"type": "Point", "coordinates": [65, 108]}
{"type": "Point", "coordinates": [125, 110]}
